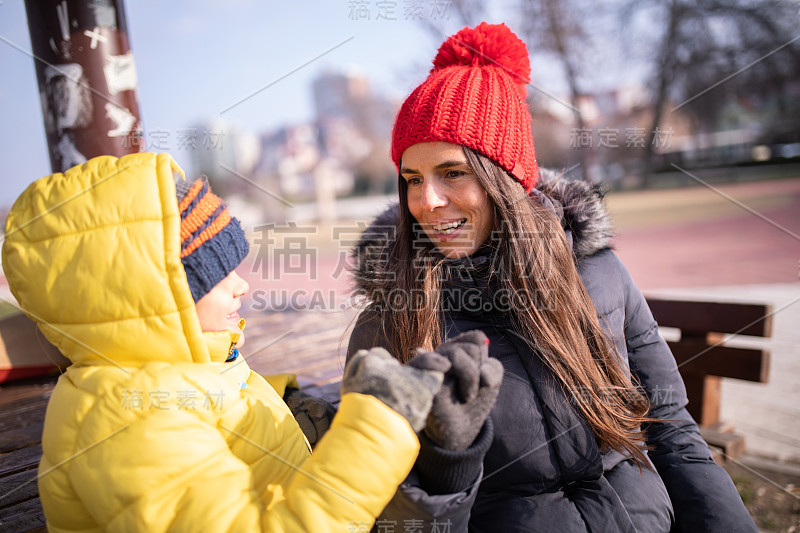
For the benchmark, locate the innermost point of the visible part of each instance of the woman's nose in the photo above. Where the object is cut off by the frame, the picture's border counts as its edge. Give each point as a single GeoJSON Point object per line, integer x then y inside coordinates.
{"type": "Point", "coordinates": [432, 195]}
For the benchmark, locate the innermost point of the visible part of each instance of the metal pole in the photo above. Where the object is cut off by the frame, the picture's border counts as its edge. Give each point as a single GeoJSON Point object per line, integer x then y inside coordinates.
{"type": "Point", "coordinates": [87, 79]}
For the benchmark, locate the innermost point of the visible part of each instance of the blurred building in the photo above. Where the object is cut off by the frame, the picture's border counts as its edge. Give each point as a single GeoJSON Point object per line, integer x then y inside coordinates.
{"type": "Point", "coordinates": [222, 151]}
{"type": "Point", "coordinates": [617, 127]}
{"type": "Point", "coordinates": [345, 150]}
{"type": "Point", "coordinates": [355, 126]}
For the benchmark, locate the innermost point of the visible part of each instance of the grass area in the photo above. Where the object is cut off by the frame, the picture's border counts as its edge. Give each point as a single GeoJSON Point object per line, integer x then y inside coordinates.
{"type": "Point", "coordinates": [773, 499]}
{"type": "Point", "coordinates": [674, 207]}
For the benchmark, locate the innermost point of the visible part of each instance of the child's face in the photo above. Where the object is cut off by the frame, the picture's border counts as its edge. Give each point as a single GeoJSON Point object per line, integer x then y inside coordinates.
{"type": "Point", "coordinates": [218, 309]}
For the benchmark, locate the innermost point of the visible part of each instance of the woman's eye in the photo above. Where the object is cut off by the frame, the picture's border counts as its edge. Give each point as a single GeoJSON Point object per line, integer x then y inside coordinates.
{"type": "Point", "coordinates": [454, 173]}
{"type": "Point", "coordinates": [413, 180]}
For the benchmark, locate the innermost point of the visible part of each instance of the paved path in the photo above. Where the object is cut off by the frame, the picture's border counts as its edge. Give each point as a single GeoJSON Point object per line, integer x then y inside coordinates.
{"type": "Point", "coordinates": [747, 233]}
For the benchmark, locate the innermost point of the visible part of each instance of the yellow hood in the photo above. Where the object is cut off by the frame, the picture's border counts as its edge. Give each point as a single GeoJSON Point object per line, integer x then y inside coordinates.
{"type": "Point", "coordinates": [92, 255]}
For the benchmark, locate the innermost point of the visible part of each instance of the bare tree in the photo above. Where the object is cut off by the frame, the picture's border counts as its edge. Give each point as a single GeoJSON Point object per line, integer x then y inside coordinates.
{"type": "Point", "coordinates": [557, 27]}
{"type": "Point", "coordinates": [467, 13]}
{"type": "Point", "coordinates": [696, 52]}
{"type": "Point", "coordinates": [709, 47]}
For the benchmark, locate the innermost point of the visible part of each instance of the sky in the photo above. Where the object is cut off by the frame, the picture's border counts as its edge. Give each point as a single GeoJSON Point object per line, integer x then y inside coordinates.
{"type": "Point", "coordinates": [195, 60]}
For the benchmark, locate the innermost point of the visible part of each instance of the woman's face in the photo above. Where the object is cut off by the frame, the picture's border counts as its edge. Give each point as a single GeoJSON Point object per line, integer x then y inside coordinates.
{"type": "Point", "coordinates": [446, 198]}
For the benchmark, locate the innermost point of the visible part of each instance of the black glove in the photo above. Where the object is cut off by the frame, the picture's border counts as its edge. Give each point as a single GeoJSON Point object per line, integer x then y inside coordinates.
{"type": "Point", "coordinates": [313, 414]}
{"type": "Point", "coordinates": [468, 393]}
{"type": "Point", "coordinates": [406, 389]}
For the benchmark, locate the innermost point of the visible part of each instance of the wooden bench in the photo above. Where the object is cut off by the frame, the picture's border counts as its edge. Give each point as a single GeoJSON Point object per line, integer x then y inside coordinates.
{"type": "Point", "coordinates": [22, 408]}
{"type": "Point", "coordinates": [706, 353]}
{"type": "Point", "coordinates": [26, 352]}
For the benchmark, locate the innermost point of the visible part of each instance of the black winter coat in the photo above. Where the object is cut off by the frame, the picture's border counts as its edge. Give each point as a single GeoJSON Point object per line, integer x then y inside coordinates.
{"type": "Point", "coordinates": [543, 470]}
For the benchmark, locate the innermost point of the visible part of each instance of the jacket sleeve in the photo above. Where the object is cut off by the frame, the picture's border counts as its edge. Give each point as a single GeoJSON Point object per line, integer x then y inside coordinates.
{"type": "Point", "coordinates": [339, 490]}
{"type": "Point", "coordinates": [281, 382]}
{"type": "Point", "coordinates": [703, 496]}
{"type": "Point", "coordinates": [413, 503]}
{"type": "Point", "coordinates": [191, 470]}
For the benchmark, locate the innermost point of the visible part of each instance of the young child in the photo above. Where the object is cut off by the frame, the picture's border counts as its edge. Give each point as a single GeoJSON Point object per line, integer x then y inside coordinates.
{"type": "Point", "coordinates": [159, 424]}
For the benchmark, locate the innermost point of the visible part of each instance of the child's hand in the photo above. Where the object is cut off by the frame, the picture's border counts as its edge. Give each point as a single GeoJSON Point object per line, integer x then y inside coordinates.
{"type": "Point", "coordinates": [468, 393]}
{"type": "Point", "coordinates": [406, 389]}
{"type": "Point", "coordinates": [313, 414]}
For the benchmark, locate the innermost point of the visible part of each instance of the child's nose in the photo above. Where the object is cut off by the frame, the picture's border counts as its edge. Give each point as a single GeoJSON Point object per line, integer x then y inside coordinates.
{"type": "Point", "coordinates": [241, 287]}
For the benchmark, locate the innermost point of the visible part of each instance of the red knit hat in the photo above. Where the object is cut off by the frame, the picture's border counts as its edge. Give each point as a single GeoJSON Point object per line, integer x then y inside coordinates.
{"type": "Point", "coordinates": [475, 96]}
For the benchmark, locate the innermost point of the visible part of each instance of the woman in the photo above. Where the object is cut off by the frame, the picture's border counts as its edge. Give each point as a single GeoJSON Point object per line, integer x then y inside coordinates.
{"type": "Point", "coordinates": [590, 430]}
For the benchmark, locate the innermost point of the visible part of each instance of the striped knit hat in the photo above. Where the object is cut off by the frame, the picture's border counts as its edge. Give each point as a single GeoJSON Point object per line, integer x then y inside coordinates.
{"type": "Point", "coordinates": [212, 243]}
{"type": "Point", "coordinates": [475, 96]}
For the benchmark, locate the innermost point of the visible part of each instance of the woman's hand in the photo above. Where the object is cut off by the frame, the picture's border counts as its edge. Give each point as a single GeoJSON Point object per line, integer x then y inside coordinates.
{"type": "Point", "coordinates": [468, 393]}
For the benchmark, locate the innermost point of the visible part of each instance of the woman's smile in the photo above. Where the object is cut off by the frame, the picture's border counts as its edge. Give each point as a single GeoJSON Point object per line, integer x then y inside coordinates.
{"type": "Point", "coordinates": [448, 228]}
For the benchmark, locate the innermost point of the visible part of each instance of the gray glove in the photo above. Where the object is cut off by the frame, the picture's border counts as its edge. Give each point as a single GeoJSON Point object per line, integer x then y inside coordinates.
{"type": "Point", "coordinates": [468, 393]}
{"type": "Point", "coordinates": [406, 389]}
{"type": "Point", "coordinates": [313, 414]}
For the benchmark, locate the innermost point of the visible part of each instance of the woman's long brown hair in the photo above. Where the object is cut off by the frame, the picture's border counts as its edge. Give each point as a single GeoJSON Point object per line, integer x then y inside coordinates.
{"type": "Point", "coordinates": [551, 309]}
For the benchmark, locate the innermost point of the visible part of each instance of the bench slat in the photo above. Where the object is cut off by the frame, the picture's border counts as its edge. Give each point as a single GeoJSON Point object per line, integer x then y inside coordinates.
{"type": "Point", "coordinates": [18, 487]}
{"type": "Point", "coordinates": [20, 460]}
{"type": "Point", "coordinates": [723, 361]}
{"type": "Point", "coordinates": [24, 516]}
{"type": "Point", "coordinates": [23, 413]}
{"type": "Point", "coordinates": [21, 437]}
{"type": "Point", "coordinates": [703, 317]}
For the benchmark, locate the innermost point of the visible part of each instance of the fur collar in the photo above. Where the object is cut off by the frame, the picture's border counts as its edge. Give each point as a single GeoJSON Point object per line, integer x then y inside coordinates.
{"type": "Point", "coordinates": [580, 206]}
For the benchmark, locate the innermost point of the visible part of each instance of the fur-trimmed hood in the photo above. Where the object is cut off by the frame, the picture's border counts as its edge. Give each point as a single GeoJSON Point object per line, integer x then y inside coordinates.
{"type": "Point", "coordinates": [580, 206]}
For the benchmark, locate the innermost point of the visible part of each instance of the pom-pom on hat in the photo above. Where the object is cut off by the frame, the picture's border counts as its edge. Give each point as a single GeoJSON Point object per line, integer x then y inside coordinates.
{"type": "Point", "coordinates": [475, 96]}
{"type": "Point", "coordinates": [212, 242]}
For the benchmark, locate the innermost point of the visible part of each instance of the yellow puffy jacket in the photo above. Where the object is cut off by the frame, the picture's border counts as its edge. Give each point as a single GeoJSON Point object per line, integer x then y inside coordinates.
{"type": "Point", "coordinates": [149, 429]}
